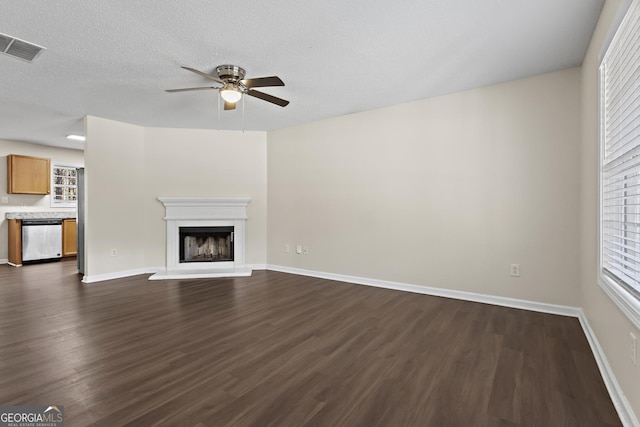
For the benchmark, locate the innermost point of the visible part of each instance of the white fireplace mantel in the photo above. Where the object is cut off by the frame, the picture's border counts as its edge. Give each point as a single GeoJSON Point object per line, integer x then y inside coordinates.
{"type": "Point", "coordinates": [205, 208]}
{"type": "Point", "coordinates": [204, 212]}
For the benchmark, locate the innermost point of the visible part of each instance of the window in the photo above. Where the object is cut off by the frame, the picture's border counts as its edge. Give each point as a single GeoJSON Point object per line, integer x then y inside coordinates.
{"type": "Point", "coordinates": [64, 186]}
{"type": "Point", "coordinates": [620, 166]}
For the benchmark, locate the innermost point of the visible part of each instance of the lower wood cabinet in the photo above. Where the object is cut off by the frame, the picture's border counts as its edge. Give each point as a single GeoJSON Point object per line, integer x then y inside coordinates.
{"type": "Point", "coordinates": [15, 241]}
{"type": "Point", "coordinates": [69, 237]}
{"type": "Point", "coordinates": [69, 242]}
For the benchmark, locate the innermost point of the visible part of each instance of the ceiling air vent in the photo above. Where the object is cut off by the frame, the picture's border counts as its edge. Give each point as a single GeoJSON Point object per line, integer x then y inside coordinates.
{"type": "Point", "coordinates": [19, 48]}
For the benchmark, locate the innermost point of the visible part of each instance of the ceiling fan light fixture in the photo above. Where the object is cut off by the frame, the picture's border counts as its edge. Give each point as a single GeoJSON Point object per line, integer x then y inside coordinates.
{"type": "Point", "coordinates": [230, 94]}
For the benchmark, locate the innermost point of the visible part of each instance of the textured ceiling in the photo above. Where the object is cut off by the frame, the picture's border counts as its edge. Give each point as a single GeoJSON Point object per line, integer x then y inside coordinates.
{"type": "Point", "coordinates": [113, 59]}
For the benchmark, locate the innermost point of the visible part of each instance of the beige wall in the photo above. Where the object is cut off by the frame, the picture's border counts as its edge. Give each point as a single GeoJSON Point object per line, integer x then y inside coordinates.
{"type": "Point", "coordinates": [445, 192]}
{"type": "Point", "coordinates": [609, 324]}
{"type": "Point", "coordinates": [114, 182]}
{"type": "Point", "coordinates": [128, 167]}
{"type": "Point", "coordinates": [205, 163]}
{"type": "Point", "coordinates": [29, 202]}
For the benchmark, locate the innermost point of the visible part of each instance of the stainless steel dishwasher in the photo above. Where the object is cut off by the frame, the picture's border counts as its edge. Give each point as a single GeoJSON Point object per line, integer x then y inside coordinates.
{"type": "Point", "coordinates": [41, 239]}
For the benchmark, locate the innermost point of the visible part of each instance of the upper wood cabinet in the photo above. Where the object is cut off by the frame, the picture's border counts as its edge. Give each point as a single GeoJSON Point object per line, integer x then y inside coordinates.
{"type": "Point", "coordinates": [28, 175]}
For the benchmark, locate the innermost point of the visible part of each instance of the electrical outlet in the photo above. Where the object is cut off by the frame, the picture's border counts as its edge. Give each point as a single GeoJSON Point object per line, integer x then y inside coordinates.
{"type": "Point", "coordinates": [305, 250]}
{"type": "Point", "coordinates": [286, 248]}
{"type": "Point", "coordinates": [298, 249]}
{"type": "Point", "coordinates": [633, 348]}
{"type": "Point", "coordinates": [114, 252]}
{"type": "Point", "coordinates": [5, 199]}
{"type": "Point", "coordinates": [515, 270]}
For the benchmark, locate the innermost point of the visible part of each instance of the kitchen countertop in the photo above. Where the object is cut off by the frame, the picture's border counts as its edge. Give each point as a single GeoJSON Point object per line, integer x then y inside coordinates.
{"type": "Point", "coordinates": [39, 215]}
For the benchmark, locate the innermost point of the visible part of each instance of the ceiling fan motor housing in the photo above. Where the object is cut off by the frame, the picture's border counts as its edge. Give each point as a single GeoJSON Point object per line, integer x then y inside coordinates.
{"type": "Point", "coordinates": [230, 73]}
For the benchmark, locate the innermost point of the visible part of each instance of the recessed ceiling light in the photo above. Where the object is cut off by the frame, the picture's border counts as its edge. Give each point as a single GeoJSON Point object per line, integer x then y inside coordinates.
{"type": "Point", "coordinates": [76, 137]}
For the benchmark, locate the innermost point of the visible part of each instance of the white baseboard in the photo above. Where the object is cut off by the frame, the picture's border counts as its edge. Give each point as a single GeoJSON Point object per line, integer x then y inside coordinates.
{"type": "Point", "coordinates": [257, 266]}
{"type": "Point", "coordinates": [426, 290]}
{"type": "Point", "coordinates": [4, 261]}
{"type": "Point", "coordinates": [119, 274]}
{"type": "Point", "coordinates": [625, 411]}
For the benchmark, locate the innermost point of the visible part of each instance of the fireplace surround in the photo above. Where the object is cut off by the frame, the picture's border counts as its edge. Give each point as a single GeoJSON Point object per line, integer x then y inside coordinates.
{"type": "Point", "coordinates": [211, 231]}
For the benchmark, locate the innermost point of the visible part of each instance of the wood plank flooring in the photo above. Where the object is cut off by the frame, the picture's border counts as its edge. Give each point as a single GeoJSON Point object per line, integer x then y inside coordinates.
{"type": "Point", "coordinates": [283, 350]}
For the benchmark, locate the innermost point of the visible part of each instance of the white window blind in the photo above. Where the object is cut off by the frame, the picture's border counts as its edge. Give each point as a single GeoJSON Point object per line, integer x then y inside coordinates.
{"type": "Point", "coordinates": [620, 174]}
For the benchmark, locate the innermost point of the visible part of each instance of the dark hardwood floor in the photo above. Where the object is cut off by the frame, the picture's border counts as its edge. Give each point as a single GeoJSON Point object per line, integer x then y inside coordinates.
{"type": "Point", "coordinates": [283, 350]}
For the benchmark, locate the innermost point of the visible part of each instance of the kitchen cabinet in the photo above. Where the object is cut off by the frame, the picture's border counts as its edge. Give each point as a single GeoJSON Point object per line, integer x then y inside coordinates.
{"type": "Point", "coordinates": [15, 241]}
{"type": "Point", "coordinates": [28, 175]}
{"type": "Point", "coordinates": [65, 236]}
{"type": "Point", "coordinates": [69, 237]}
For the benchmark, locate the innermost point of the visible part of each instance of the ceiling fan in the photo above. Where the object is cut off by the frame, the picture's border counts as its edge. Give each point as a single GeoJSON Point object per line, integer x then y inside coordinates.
{"type": "Point", "coordinates": [234, 85]}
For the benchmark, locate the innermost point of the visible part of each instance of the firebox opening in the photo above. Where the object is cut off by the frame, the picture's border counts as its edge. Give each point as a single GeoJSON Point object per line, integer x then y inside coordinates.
{"type": "Point", "coordinates": [206, 244]}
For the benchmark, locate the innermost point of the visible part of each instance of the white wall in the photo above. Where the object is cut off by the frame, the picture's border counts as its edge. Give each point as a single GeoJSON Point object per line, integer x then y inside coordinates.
{"type": "Point", "coordinates": [444, 192]}
{"type": "Point", "coordinates": [128, 167]}
{"type": "Point", "coordinates": [29, 202]}
{"type": "Point", "coordinates": [609, 324]}
{"type": "Point", "coordinates": [205, 163]}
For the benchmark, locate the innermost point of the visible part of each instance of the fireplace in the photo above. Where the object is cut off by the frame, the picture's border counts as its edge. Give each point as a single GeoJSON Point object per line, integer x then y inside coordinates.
{"type": "Point", "coordinates": [205, 244]}
{"type": "Point", "coordinates": [205, 238]}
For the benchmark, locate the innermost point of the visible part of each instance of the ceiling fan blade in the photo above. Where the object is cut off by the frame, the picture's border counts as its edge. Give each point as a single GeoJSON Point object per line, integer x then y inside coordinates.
{"type": "Point", "coordinates": [262, 82]}
{"type": "Point", "coordinates": [229, 105]}
{"type": "Point", "coordinates": [186, 89]}
{"type": "Point", "coordinates": [269, 98]}
{"type": "Point", "coordinates": [203, 74]}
